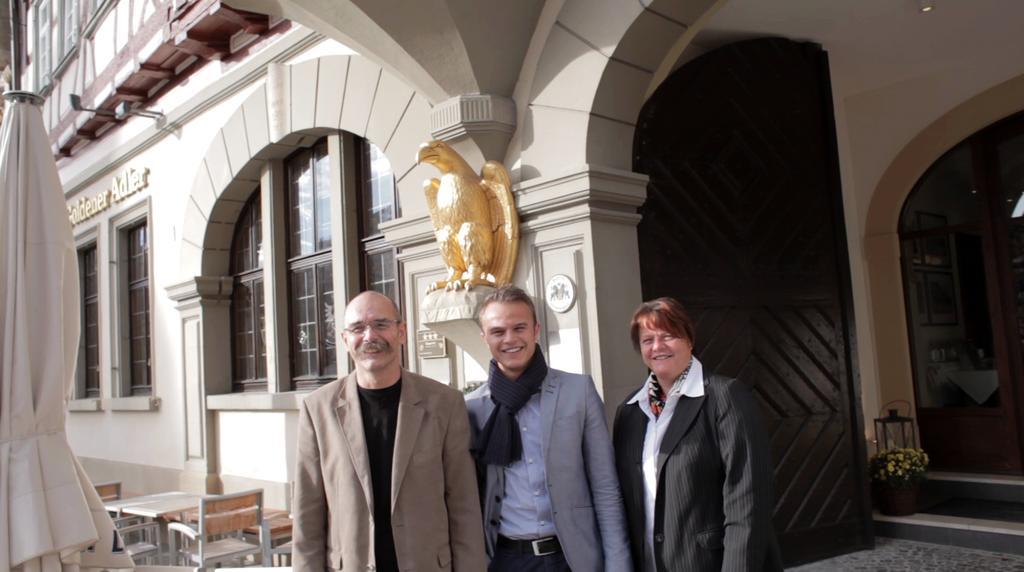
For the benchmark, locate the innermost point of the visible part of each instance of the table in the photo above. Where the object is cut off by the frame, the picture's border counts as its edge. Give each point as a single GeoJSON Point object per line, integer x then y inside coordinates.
{"type": "Point", "coordinates": [163, 506]}
{"type": "Point", "coordinates": [979, 384]}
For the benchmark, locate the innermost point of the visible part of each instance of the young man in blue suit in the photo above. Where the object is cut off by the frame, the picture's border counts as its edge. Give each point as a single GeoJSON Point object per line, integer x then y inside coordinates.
{"type": "Point", "coordinates": [550, 493]}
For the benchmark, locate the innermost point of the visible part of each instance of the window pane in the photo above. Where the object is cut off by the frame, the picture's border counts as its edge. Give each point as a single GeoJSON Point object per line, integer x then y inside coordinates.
{"type": "Point", "coordinates": [244, 339]}
{"type": "Point", "coordinates": [69, 24]}
{"type": "Point", "coordinates": [138, 267]}
{"type": "Point", "coordinates": [261, 338]}
{"type": "Point", "coordinates": [89, 376]}
{"type": "Point", "coordinates": [88, 269]}
{"type": "Point", "coordinates": [138, 309]}
{"type": "Point", "coordinates": [1011, 175]}
{"type": "Point", "coordinates": [945, 196]}
{"type": "Point", "coordinates": [326, 288]}
{"type": "Point", "coordinates": [43, 43]}
{"type": "Point", "coordinates": [322, 182]}
{"type": "Point", "coordinates": [304, 323]}
{"type": "Point", "coordinates": [952, 336]}
{"type": "Point", "coordinates": [139, 338]}
{"type": "Point", "coordinates": [380, 273]}
{"type": "Point", "coordinates": [92, 349]}
{"type": "Point", "coordinates": [378, 190]}
{"type": "Point", "coordinates": [300, 181]}
{"type": "Point", "coordinates": [257, 230]}
{"type": "Point", "coordinates": [246, 246]}
{"type": "Point", "coordinates": [1010, 153]}
{"type": "Point", "coordinates": [241, 247]}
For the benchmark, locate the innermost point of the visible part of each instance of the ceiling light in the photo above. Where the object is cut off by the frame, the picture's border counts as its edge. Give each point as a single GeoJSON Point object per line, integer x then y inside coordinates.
{"type": "Point", "coordinates": [925, 5]}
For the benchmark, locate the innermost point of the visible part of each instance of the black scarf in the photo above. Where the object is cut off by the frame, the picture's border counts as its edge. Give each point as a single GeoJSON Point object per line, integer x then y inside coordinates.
{"type": "Point", "coordinates": [499, 442]}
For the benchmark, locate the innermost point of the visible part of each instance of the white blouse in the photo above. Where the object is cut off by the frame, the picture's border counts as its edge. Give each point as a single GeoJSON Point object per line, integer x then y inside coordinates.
{"type": "Point", "coordinates": [691, 386]}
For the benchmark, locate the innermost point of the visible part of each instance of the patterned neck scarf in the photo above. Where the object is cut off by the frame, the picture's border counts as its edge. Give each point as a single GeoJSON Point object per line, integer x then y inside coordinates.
{"type": "Point", "coordinates": [656, 394]}
{"type": "Point", "coordinates": [499, 442]}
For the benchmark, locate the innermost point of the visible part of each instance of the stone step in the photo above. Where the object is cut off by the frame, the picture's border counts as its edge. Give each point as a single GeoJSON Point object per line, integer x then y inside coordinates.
{"type": "Point", "coordinates": [944, 485]}
{"type": "Point", "coordinates": [965, 532]}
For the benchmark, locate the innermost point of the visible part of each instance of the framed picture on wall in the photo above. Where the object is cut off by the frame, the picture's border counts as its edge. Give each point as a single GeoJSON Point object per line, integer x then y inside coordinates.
{"type": "Point", "coordinates": [940, 292]}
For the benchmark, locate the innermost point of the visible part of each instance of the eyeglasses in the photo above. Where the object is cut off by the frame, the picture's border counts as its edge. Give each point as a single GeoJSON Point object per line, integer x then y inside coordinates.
{"type": "Point", "coordinates": [379, 326]}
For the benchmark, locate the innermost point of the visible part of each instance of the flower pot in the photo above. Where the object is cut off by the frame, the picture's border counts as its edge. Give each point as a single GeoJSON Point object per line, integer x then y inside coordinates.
{"type": "Point", "coordinates": [897, 502]}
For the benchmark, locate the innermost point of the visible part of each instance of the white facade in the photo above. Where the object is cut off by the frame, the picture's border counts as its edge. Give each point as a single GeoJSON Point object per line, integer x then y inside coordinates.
{"type": "Point", "coordinates": [556, 99]}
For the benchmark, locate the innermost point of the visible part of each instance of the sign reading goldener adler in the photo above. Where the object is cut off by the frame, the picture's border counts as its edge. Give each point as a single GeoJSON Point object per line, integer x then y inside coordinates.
{"type": "Point", "coordinates": [129, 182]}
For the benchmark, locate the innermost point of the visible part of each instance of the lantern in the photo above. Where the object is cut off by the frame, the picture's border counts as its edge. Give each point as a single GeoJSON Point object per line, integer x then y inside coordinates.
{"type": "Point", "coordinates": [895, 432]}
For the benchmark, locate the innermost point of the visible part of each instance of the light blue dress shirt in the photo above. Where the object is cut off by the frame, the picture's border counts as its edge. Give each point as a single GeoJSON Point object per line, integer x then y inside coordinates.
{"type": "Point", "coordinates": [526, 506]}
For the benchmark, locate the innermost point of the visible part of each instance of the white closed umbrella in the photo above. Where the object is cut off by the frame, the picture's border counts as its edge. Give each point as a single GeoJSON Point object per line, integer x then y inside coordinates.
{"type": "Point", "coordinates": [50, 516]}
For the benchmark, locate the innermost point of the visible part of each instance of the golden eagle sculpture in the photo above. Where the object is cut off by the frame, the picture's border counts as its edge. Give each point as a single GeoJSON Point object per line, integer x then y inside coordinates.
{"type": "Point", "coordinates": [475, 219]}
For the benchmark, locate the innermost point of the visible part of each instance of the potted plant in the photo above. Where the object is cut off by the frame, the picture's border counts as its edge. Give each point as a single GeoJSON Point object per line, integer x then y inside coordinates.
{"type": "Point", "coordinates": [896, 475]}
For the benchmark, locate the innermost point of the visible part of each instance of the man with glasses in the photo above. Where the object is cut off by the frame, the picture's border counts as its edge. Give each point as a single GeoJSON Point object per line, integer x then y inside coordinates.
{"type": "Point", "coordinates": [384, 479]}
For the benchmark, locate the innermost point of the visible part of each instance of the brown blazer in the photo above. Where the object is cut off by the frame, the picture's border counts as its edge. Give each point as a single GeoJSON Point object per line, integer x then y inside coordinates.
{"type": "Point", "coordinates": [435, 506]}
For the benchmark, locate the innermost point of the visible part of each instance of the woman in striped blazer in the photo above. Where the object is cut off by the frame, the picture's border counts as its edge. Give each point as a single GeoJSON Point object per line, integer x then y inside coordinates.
{"type": "Point", "coordinates": [692, 459]}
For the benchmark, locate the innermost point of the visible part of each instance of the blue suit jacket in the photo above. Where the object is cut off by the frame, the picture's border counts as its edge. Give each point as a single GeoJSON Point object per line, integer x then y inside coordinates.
{"type": "Point", "coordinates": [580, 465]}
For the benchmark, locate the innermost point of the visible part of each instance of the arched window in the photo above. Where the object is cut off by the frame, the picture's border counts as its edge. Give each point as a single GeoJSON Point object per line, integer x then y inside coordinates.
{"type": "Point", "coordinates": [297, 293]}
{"type": "Point", "coordinates": [249, 371]}
{"type": "Point", "coordinates": [962, 252]}
{"type": "Point", "coordinates": [310, 275]}
{"type": "Point", "coordinates": [941, 232]}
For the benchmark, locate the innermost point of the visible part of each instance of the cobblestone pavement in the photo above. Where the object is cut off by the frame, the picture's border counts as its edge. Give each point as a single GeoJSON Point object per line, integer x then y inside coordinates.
{"type": "Point", "coordinates": [905, 555]}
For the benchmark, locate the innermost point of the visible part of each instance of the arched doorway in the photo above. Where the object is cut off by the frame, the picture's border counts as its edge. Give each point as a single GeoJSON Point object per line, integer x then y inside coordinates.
{"type": "Point", "coordinates": [962, 258]}
{"type": "Point", "coordinates": [743, 223]}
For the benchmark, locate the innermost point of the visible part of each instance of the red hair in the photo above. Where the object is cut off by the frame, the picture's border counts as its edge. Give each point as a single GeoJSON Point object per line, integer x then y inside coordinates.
{"type": "Point", "coordinates": [665, 314]}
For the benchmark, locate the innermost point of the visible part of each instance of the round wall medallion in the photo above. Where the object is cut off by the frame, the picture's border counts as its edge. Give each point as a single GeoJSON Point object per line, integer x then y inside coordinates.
{"type": "Point", "coordinates": [560, 293]}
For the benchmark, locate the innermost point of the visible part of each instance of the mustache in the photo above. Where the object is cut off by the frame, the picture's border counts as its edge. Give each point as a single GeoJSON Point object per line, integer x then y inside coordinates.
{"type": "Point", "coordinates": [376, 346]}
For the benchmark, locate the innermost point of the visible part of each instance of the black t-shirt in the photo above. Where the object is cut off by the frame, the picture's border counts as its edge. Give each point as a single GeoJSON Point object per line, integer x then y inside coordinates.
{"type": "Point", "coordinates": [380, 421]}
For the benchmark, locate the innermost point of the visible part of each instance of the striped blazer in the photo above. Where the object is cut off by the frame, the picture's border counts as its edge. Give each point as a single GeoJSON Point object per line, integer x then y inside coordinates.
{"type": "Point", "coordinates": [713, 508]}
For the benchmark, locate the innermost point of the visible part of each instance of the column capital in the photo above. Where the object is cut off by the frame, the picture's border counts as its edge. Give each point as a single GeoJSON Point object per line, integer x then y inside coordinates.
{"type": "Point", "coordinates": [488, 120]}
{"type": "Point", "coordinates": [199, 289]}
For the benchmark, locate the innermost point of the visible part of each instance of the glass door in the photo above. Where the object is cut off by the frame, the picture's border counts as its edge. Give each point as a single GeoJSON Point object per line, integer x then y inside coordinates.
{"type": "Point", "coordinates": [964, 385]}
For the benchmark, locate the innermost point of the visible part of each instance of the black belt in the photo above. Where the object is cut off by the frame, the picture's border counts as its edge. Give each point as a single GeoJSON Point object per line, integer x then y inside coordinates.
{"type": "Point", "coordinates": [537, 547]}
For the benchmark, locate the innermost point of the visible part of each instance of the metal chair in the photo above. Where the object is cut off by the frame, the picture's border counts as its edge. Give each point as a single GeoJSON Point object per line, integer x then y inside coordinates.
{"type": "Point", "coordinates": [283, 552]}
{"type": "Point", "coordinates": [108, 491]}
{"type": "Point", "coordinates": [220, 532]}
{"type": "Point", "coordinates": [141, 539]}
{"type": "Point", "coordinates": [276, 530]}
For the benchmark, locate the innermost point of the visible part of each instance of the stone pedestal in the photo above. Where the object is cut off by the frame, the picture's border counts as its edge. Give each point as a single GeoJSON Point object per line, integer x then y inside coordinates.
{"type": "Point", "coordinates": [453, 315]}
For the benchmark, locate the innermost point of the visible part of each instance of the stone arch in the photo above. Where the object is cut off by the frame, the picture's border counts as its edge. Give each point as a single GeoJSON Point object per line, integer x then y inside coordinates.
{"type": "Point", "coordinates": [594, 74]}
{"type": "Point", "coordinates": [295, 103]}
{"type": "Point", "coordinates": [881, 225]}
{"type": "Point", "coordinates": [924, 149]}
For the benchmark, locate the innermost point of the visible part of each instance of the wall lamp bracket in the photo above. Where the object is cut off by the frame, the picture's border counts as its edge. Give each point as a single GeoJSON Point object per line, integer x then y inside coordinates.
{"type": "Point", "coordinates": [123, 109]}
{"type": "Point", "coordinates": [76, 104]}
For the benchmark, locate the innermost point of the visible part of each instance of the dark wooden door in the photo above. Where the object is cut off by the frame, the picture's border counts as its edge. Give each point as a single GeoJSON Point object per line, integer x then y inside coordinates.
{"type": "Point", "coordinates": [743, 223]}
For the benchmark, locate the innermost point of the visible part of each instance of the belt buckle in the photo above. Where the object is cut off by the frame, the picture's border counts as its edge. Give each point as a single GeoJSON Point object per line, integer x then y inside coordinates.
{"type": "Point", "coordinates": [536, 546]}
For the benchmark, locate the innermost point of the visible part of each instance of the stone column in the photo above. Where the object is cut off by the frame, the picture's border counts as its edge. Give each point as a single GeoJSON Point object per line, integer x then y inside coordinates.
{"type": "Point", "coordinates": [204, 304]}
{"type": "Point", "coordinates": [581, 226]}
